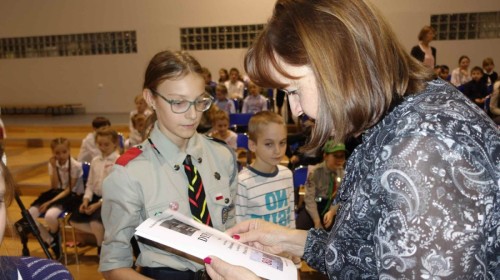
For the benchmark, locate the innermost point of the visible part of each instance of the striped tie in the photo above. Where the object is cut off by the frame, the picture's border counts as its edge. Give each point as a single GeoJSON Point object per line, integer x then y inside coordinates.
{"type": "Point", "coordinates": [197, 200]}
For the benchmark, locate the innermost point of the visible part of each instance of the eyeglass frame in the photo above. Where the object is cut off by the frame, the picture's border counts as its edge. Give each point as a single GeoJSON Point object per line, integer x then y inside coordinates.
{"type": "Point", "coordinates": [191, 103]}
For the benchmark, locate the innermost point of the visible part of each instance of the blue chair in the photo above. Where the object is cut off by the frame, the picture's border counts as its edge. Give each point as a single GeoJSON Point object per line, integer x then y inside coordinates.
{"type": "Point", "coordinates": [299, 176]}
{"type": "Point", "coordinates": [239, 122]}
{"type": "Point", "coordinates": [299, 179]}
{"type": "Point", "coordinates": [86, 171]}
{"type": "Point", "coordinates": [242, 141]}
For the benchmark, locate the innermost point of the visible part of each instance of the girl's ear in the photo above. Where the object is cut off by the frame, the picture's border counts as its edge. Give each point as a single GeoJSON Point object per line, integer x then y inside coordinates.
{"type": "Point", "coordinates": [148, 96]}
{"type": "Point", "coordinates": [252, 146]}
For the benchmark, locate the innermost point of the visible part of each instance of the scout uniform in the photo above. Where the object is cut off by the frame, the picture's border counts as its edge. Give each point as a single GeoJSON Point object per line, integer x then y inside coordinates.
{"type": "Point", "coordinates": [150, 178]}
{"type": "Point", "coordinates": [322, 184]}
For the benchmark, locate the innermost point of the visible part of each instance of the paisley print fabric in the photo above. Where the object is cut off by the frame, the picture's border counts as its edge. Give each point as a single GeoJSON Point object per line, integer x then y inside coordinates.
{"type": "Point", "coordinates": [420, 199]}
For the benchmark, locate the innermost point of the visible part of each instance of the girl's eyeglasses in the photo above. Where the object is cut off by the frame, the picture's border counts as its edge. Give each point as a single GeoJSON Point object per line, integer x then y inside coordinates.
{"type": "Point", "coordinates": [201, 103]}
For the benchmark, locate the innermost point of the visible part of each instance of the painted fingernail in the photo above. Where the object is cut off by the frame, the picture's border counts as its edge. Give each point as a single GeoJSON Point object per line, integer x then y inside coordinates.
{"type": "Point", "coordinates": [237, 237]}
{"type": "Point", "coordinates": [207, 260]}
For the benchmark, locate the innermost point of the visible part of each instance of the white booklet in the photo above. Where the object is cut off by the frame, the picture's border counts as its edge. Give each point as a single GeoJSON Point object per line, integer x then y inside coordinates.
{"type": "Point", "coordinates": [181, 233]}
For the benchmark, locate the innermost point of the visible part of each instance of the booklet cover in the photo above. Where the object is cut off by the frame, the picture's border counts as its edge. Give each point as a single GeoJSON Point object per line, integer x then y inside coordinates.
{"type": "Point", "coordinates": [182, 233]}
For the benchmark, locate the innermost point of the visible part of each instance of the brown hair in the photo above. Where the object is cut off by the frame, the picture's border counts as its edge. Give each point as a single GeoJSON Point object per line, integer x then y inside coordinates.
{"type": "Point", "coordinates": [136, 117]}
{"type": "Point", "coordinates": [107, 132]}
{"type": "Point", "coordinates": [59, 141]}
{"type": "Point", "coordinates": [424, 31]}
{"type": "Point", "coordinates": [138, 98]}
{"type": "Point", "coordinates": [219, 115]}
{"type": "Point", "coordinates": [222, 88]}
{"type": "Point", "coordinates": [476, 69]}
{"type": "Point", "coordinates": [99, 122]}
{"type": "Point", "coordinates": [261, 119]}
{"type": "Point", "coordinates": [462, 57]}
{"type": "Point", "coordinates": [168, 65]}
{"type": "Point", "coordinates": [359, 65]}
{"type": "Point", "coordinates": [10, 184]}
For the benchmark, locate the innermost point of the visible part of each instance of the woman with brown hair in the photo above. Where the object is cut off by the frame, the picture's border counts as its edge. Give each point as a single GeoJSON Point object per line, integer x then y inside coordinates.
{"type": "Point", "coordinates": [420, 194]}
{"type": "Point", "coordinates": [423, 52]}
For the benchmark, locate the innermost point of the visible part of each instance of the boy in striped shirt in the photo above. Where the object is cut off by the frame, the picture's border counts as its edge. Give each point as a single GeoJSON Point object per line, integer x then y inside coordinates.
{"type": "Point", "coordinates": [265, 188]}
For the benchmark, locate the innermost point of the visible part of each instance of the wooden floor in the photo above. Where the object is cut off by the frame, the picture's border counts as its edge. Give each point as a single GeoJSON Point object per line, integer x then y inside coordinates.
{"type": "Point", "coordinates": [27, 149]}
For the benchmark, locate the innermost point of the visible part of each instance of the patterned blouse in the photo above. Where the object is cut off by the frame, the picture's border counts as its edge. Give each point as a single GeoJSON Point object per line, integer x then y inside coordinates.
{"type": "Point", "coordinates": [421, 196]}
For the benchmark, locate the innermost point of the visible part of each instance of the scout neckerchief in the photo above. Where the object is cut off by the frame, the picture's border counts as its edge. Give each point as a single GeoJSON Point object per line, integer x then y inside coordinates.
{"type": "Point", "coordinates": [330, 194]}
{"type": "Point", "coordinates": [196, 191]}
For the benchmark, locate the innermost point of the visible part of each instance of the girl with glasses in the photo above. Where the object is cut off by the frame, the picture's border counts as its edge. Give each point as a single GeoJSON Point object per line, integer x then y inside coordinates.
{"type": "Point", "coordinates": [153, 176]}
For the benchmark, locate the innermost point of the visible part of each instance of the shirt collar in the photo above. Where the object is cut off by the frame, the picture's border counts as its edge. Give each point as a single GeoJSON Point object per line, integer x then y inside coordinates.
{"type": "Point", "coordinates": [171, 153]}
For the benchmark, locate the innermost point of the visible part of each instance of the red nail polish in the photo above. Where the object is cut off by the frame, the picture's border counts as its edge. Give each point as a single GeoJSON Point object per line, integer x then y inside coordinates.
{"type": "Point", "coordinates": [207, 260]}
{"type": "Point", "coordinates": [237, 237]}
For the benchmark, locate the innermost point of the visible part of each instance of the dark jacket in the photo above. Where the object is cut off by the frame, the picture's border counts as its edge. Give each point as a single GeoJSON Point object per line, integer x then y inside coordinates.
{"type": "Point", "coordinates": [419, 54]}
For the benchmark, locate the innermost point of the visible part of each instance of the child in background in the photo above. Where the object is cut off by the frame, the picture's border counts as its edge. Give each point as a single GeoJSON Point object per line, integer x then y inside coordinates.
{"type": "Point", "coordinates": [489, 75]}
{"type": "Point", "coordinates": [209, 84]}
{"type": "Point", "coordinates": [223, 75]}
{"type": "Point", "coordinates": [22, 267]}
{"type": "Point", "coordinates": [265, 188]}
{"type": "Point", "coordinates": [89, 150]}
{"type": "Point", "coordinates": [141, 107]}
{"type": "Point", "coordinates": [220, 129]}
{"type": "Point", "coordinates": [139, 134]}
{"type": "Point", "coordinates": [476, 89]}
{"type": "Point", "coordinates": [64, 172]}
{"type": "Point", "coordinates": [444, 73]}
{"type": "Point", "coordinates": [161, 174]}
{"type": "Point", "coordinates": [221, 100]}
{"type": "Point", "coordinates": [254, 102]}
{"type": "Point", "coordinates": [321, 188]}
{"type": "Point", "coordinates": [460, 75]}
{"type": "Point", "coordinates": [88, 217]}
{"type": "Point", "coordinates": [234, 86]}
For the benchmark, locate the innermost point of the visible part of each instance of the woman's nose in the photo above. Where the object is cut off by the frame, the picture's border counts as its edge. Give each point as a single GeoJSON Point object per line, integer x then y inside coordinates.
{"type": "Point", "coordinates": [294, 101]}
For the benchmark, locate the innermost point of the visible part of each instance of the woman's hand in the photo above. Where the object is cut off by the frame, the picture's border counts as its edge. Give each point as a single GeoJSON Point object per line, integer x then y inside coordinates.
{"type": "Point", "coordinates": [269, 237]}
{"type": "Point", "coordinates": [219, 269]}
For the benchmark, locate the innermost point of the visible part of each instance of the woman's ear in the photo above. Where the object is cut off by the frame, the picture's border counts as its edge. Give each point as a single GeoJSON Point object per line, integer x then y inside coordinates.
{"type": "Point", "coordinates": [148, 96]}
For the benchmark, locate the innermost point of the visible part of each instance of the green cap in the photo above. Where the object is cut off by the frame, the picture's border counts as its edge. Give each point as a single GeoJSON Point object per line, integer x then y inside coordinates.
{"type": "Point", "coordinates": [331, 147]}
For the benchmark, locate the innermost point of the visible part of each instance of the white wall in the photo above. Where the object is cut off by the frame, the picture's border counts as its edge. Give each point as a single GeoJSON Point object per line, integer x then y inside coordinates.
{"type": "Point", "coordinates": [157, 22]}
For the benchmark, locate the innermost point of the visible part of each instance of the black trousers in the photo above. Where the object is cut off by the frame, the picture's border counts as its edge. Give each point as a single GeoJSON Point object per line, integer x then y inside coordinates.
{"type": "Point", "coordinates": [169, 273]}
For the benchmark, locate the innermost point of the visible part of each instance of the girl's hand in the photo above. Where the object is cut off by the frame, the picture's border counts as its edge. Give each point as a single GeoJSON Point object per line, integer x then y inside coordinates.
{"type": "Point", "coordinates": [44, 207]}
{"type": "Point", "coordinates": [92, 208]}
{"type": "Point", "coordinates": [219, 269]}
{"type": "Point", "coordinates": [83, 207]}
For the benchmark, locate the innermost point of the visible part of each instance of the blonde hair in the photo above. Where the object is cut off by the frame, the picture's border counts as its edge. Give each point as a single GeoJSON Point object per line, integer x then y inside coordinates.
{"type": "Point", "coordinates": [359, 65]}
{"type": "Point", "coordinates": [260, 120]}
{"type": "Point", "coordinates": [138, 98]}
{"type": "Point", "coordinates": [219, 115]}
{"type": "Point", "coordinates": [488, 61]}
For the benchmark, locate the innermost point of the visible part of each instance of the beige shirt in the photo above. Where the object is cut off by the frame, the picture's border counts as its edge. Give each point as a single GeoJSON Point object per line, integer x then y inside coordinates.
{"type": "Point", "coordinates": [151, 181]}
